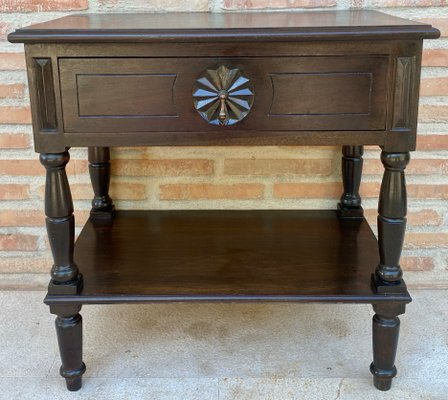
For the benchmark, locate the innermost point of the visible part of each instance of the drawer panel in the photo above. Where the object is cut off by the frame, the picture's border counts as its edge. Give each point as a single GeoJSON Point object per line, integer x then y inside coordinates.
{"type": "Point", "coordinates": [290, 93]}
{"type": "Point", "coordinates": [326, 93]}
{"type": "Point", "coordinates": [125, 95]}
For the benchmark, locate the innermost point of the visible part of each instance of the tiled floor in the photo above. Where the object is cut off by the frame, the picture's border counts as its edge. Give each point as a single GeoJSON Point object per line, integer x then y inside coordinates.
{"type": "Point", "coordinates": [223, 351]}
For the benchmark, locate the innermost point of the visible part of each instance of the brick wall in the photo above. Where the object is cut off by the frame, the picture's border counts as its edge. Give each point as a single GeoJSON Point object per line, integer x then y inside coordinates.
{"type": "Point", "coordinates": [256, 177]}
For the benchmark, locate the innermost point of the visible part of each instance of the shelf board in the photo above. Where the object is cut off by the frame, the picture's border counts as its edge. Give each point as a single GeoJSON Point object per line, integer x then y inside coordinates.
{"type": "Point", "coordinates": [266, 255]}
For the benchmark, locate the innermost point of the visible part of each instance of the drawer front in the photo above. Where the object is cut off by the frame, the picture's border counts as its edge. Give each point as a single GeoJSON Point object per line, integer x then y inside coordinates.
{"type": "Point", "coordinates": [290, 93]}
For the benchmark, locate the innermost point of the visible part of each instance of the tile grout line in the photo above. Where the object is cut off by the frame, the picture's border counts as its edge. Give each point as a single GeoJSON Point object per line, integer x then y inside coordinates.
{"type": "Point", "coordinates": [51, 366]}
{"type": "Point", "coordinates": [338, 394]}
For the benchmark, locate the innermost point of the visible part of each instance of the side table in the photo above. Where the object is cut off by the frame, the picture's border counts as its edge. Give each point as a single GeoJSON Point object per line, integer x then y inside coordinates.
{"type": "Point", "coordinates": [348, 78]}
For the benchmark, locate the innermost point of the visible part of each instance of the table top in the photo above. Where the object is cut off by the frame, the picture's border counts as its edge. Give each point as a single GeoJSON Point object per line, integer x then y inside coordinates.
{"type": "Point", "coordinates": [248, 26]}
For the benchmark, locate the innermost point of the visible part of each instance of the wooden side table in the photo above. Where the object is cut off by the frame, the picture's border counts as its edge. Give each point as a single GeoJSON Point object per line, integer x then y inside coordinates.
{"type": "Point", "coordinates": [346, 78]}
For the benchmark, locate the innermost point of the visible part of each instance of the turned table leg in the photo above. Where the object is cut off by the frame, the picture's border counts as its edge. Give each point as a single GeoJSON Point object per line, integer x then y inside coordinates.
{"type": "Point", "coordinates": [385, 327]}
{"type": "Point", "coordinates": [350, 204]}
{"type": "Point", "coordinates": [99, 169]}
{"type": "Point", "coordinates": [387, 278]}
{"type": "Point", "coordinates": [392, 209]}
{"type": "Point", "coordinates": [69, 332]}
{"type": "Point", "coordinates": [65, 278]}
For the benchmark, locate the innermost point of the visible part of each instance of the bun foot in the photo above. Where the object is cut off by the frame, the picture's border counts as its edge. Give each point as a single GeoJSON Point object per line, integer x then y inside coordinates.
{"type": "Point", "coordinates": [73, 379]}
{"type": "Point", "coordinates": [383, 384]}
{"type": "Point", "coordinates": [382, 380]}
{"type": "Point", "coordinates": [74, 384]}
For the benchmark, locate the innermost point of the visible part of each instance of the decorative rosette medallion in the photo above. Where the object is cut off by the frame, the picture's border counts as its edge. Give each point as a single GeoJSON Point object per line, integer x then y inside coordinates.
{"type": "Point", "coordinates": [223, 96]}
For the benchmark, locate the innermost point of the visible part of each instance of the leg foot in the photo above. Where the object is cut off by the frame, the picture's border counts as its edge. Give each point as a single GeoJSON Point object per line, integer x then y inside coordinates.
{"type": "Point", "coordinates": [382, 380]}
{"type": "Point", "coordinates": [74, 384]}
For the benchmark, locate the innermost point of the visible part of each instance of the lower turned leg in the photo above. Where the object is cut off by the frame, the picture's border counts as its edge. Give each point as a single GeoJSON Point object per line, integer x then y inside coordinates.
{"type": "Point", "coordinates": [386, 327]}
{"type": "Point", "coordinates": [69, 333]}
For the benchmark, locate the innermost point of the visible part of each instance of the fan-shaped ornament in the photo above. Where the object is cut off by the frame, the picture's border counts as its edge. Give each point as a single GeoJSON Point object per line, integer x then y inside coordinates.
{"type": "Point", "coordinates": [223, 96]}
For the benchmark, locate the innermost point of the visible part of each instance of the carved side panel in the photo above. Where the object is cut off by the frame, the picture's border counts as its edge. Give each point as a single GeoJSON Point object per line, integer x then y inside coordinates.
{"type": "Point", "coordinates": [46, 103]}
{"type": "Point", "coordinates": [404, 93]}
{"type": "Point", "coordinates": [44, 92]}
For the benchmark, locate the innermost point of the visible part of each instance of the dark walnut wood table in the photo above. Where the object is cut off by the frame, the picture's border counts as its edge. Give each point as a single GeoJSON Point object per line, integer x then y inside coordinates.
{"type": "Point", "coordinates": [348, 78]}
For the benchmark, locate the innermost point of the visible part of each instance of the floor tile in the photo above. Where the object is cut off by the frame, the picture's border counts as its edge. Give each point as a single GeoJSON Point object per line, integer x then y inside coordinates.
{"type": "Point", "coordinates": [269, 350]}
{"type": "Point", "coordinates": [111, 389]}
{"type": "Point", "coordinates": [402, 389]}
{"type": "Point", "coordinates": [275, 389]}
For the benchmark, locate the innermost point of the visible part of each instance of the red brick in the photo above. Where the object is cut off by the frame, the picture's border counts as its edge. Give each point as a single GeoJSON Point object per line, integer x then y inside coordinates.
{"type": "Point", "coordinates": [307, 190]}
{"type": "Point", "coordinates": [415, 167]}
{"type": "Point", "coordinates": [435, 58]}
{"type": "Point", "coordinates": [118, 191]}
{"type": "Point", "coordinates": [270, 4]}
{"type": "Point", "coordinates": [432, 142]}
{"type": "Point", "coordinates": [22, 218]}
{"type": "Point", "coordinates": [373, 166]}
{"type": "Point", "coordinates": [25, 265]}
{"type": "Point", "coordinates": [417, 263]}
{"type": "Point", "coordinates": [423, 191]}
{"type": "Point", "coordinates": [14, 141]}
{"type": "Point", "coordinates": [5, 28]}
{"type": "Point", "coordinates": [21, 167]}
{"type": "Point", "coordinates": [427, 113]}
{"type": "Point", "coordinates": [14, 192]}
{"type": "Point", "coordinates": [15, 115]}
{"type": "Point", "coordinates": [34, 168]}
{"type": "Point", "coordinates": [128, 191]}
{"type": "Point", "coordinates": [370, 189]}
{"type": "Point", "coordinates": [241, 191]}
{"type": "Point", "coordinates": [440, 23]}
{"type": "Point", "coordinates": [177, 167]}
{"type": "Point", "coordinates": [408, 3]}
{"type": "Point", "coordinates": [12, 61]}
{"type": "Point", "coordinates": [13, 242]}
{"type": "Point", "coordinates": [34, 217]}
{"type": "Point", "coordinates": [434, 87]}
{"type": "Point", "coordinates": [14, 90]}
{"type": "Point", "coordinates": [415, 218]}
{"type": "Point", "coordinates": [42, 5]}
{"type": "Point", "coordinates": [77, 167]}
{"type": "Point", "coordinates": [273, 4]}
{"type": "Point", "coordinates": [277, 167]}
{"type": "Point", "coordinates": [420, 191]}
{"type": "Point", "coordinates": [424, 218]}
{"type": "Point", "coordinates": [426, 240]}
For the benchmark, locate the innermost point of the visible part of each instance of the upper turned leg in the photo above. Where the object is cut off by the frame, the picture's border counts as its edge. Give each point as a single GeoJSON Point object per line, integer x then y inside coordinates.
{"type": "Point", "coordinates": [99, 169]}
{"type": "Point", "coordinates": [350, 203]}
{"type": "Point", "coordinates": [392, 209]}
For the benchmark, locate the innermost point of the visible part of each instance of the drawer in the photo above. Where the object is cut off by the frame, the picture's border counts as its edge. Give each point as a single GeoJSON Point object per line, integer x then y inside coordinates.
{"type": "Point", "coordinates": [302, 93]}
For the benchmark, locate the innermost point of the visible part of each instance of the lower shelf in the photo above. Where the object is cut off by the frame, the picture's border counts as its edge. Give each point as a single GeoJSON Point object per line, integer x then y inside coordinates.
{"type": "Point", "coordinates": [226, 256]}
